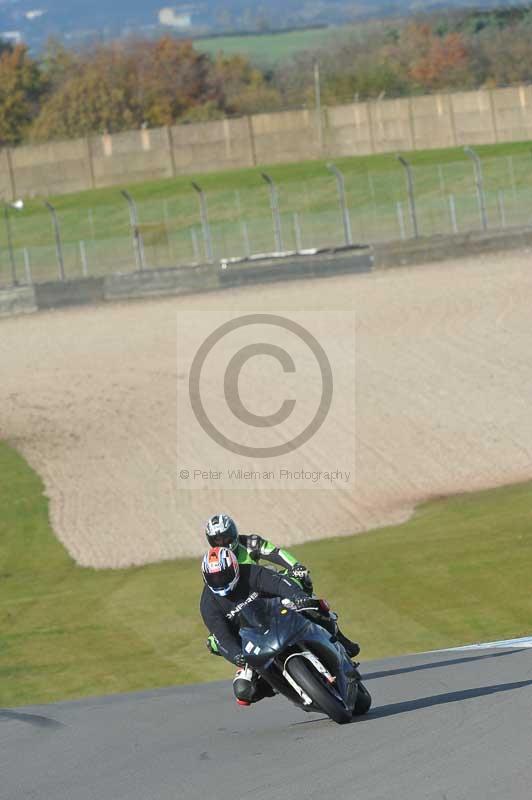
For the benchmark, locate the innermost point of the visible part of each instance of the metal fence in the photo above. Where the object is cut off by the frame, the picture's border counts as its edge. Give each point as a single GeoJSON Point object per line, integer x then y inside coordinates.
{"type": "Point", "coordinates": [193, 226]}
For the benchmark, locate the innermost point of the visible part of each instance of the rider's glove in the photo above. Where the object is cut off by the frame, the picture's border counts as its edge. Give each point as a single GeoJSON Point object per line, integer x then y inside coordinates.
{"type": "Point", "coordinates": [239, 660]}
{"type": "Point", "coordinates": [212, 645]}
{"type": "Point", "coordinates": [303, 603]}
{"type": "Point", "coordinates": [300, 572]}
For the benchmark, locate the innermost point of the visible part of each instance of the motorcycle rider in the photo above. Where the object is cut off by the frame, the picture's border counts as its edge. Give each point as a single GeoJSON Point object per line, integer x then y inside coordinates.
{"type": "Point", "coordinates": [221, 531]}
{"type": "Point", "coordinates": [229, 587]}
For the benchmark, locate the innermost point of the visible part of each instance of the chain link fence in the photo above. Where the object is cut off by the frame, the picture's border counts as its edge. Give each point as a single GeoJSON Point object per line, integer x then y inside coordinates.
{"type": "Point", "coordinates": [337, 208]}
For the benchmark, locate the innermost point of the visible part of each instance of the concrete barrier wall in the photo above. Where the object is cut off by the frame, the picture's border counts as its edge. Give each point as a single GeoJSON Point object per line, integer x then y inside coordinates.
{"type": "Point", "coordinates": [226, 144]}
{"type": "Point", "coordinates": [57, 294]}
{"type": "Point", "coordinates": [157, 282]}
{"type": "Point", "coordinates": [442, 120]}
{"type": "Point", "coordinates": [53, 168]}
{"type": "Point", "coordinates": [286, 136]}
{"type": "Point", "coordinates": [129, 157]}
{"type": "Point", "coordinates": [19, 300]}
{"type": "Point", "coordinates": [440, 248]}
{"type": "Point", "coordinates": [318, 266]}
{"type": "Point", "coordinates": [211, 277]}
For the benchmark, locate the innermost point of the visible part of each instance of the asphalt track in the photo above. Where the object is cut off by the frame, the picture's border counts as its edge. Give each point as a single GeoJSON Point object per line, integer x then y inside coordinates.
{"type": "Point", "coordinates": [448, 725]}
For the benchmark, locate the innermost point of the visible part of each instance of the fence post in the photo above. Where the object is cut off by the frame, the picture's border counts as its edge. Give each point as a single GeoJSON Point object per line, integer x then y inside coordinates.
{"type": "Point", "coordinates": [138, 246]}
{"type": "Point", "coordinates": [10, 246]}
{"type": "Point", "coordinates": [11, 173]}
{"type": "Point", "coordinates": [206, 228]}
{"type": "Point", "coordinates": [252, 145]}
{"type": "Point", "coordinates": [297, 232]}
{"type": "Point", "coordinates": [411, 194]}
{"type": "Point", "coordinates": [245, 236]}
{"type": "Point", "coordinates": [83, 254]}
{"type": "Point", "coordinates": [452, 209]}
{"type": "Point", "coordinates": [27, 266]}
{"type": "Point", "coordinates": [479, 181]}
{"type": "Point", "coordinates": [171, 154]}
{"type": "Point", "coordinates": [317, 102]}
{"type": "Point", "coordinates": [340, 182]}
{"type": "Point", "coordinates": [276, 216]}
{"type": "Point", "coordinates": [502, 209]}
{"type": "Point", "coordinates": [90, 162]}
{"type": "Point", "coordinates": [58, 243]}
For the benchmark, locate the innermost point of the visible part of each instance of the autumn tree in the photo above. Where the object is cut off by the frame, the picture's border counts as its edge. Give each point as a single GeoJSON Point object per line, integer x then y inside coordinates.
{"type": "Point", "coordinates": [171, 78]}
{"type": "Point", "coordinates": [94, 97]}
{"type": "Point", "coordinates": [153, 82]}
{"type": "Point", "coordinates": [443, 63]}
{"type": "Point", "coordinates": [505, 56]}
{"type": "Point", "coordinates": [20, 91]}
{"type": "Point", "coordinates": [123, 86]}
{"type": "Point", "coordinates": [244, 87]}
{"type": "Point", "coordinates": [57, 63]}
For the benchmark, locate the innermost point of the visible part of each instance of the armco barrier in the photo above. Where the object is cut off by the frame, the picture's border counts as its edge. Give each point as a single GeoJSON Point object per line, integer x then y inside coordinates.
{"type": "Point", "coordinates": [19, 300]}
{"type": "Point", "coordinates": [214, 277]}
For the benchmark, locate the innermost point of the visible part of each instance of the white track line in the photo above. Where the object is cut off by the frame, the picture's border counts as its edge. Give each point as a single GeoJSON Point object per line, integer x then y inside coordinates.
{"type": "Point", "coordinates": [525, 641]}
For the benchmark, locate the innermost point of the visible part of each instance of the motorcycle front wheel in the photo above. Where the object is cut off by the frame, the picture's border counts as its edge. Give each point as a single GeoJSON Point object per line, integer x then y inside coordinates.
{"type": "Point", "coordinates": [363, 702]}
{"type": "Point", "coordinates": [313, 685]}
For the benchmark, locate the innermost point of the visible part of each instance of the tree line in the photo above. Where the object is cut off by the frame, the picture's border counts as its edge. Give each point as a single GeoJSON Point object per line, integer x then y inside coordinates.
{"type": "Point", "coordinates": [133, 83]}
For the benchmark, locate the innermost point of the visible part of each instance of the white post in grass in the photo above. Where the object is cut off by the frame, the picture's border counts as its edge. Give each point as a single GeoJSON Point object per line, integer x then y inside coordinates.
{"type": "Point", "coordinates": [83, 255]}
{"type": "Point", "coordinates": [27, 266]}
{"type": "Point", "coordinates": [245, 237]}
{"type": "Point", "coordinates": [502, 207]}
{"type": "Point", "coordinates": [297, 232]}
{"type": "Point", "coordinates": [452, 209]}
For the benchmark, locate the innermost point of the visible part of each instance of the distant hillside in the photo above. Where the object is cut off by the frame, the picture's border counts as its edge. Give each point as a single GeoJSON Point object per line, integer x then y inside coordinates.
{"type": "Point", "coordinates": [78, 21]}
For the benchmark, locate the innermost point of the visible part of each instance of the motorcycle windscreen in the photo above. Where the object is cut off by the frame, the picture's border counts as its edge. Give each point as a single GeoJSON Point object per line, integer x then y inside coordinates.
{"type": "Point", "coordinates": [270, 629]}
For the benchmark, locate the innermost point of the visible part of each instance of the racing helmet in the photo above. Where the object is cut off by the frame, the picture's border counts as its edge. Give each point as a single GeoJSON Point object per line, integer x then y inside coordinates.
{"type": "Point", "coordinates": [221, 531]}
{"type": "Point", "coordinates": [220, 570]}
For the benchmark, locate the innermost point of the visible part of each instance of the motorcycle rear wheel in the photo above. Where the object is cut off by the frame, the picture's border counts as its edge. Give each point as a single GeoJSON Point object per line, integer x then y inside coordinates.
{"type": "Point", "coordinates": [301, 671]}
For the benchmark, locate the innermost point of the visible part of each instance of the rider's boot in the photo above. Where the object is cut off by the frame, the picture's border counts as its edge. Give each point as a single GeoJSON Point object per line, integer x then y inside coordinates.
{"type": "Point", "coordinates": [243, 686]}
{"type": "Point", "coordinates": [351, 648]}
{"type": "Point", "coordinates": [249, 687]}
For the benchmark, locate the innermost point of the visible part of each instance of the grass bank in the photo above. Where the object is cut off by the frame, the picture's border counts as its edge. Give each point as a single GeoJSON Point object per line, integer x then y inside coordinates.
{"type": "Point", "coordinates": [273, 49]}
{"type": "Point", "coordinates": [458, 571]}
{"type": "Point", "coordinates": [96, 233]}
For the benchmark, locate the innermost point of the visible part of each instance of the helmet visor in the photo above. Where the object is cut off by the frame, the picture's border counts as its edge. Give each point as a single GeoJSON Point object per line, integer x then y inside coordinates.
{"type": "Point", "coordinates": [221, 577]}
{"type": "Point", "coordinates": [220, 580]}
{"type": "Point", "coordinates": [224, 539]}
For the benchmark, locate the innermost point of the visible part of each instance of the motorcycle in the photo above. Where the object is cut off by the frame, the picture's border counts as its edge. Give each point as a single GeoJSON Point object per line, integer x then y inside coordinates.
{"type": "Point", "coordinates": [301, 660]}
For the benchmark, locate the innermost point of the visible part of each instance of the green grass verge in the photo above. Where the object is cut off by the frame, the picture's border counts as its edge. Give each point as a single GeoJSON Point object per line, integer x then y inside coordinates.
{"type": "Point", "coordinates": [457, 572]}
{"type": "Point", "coordinates": [271, 50]}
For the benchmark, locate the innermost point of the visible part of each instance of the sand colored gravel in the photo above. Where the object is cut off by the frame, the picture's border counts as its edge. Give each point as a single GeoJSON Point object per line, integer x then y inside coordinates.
{"type": "Point", "coordinates": [443, 405]}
